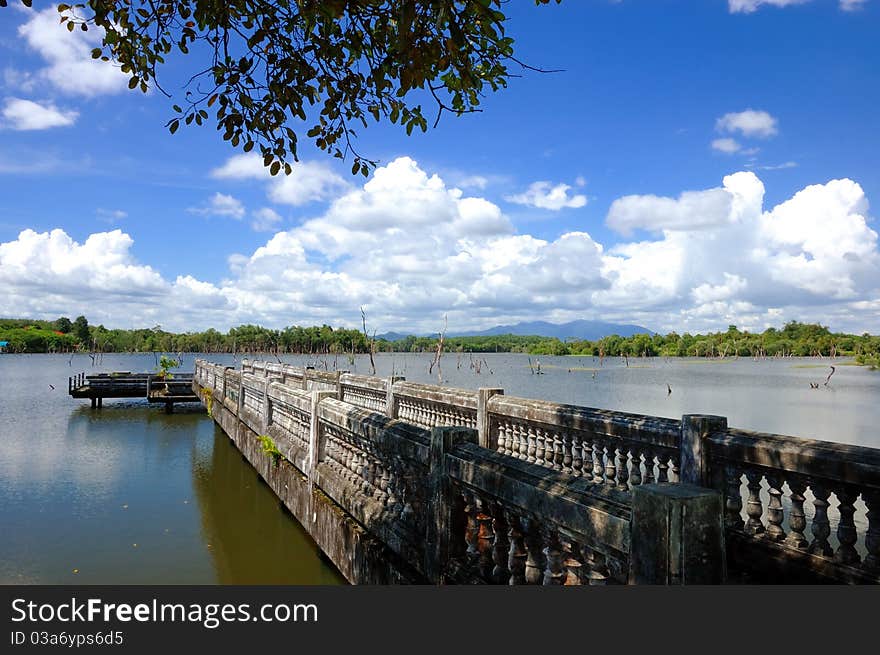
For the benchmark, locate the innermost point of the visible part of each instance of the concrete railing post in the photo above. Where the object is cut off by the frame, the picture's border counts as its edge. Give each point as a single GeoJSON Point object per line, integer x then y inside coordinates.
{"type": "Point", "coordinates": [676, 535]}
{"type": "Point", "coordinates": [390, 398]}
{"type": "Point", "coordinates": [316, 439]}
{"type": "Point", "coordinates": [483, 395]}
{"type": "Point", "coordinates": [240, 396]}
{"type": "Point", "coordinates": [267, 403]}
{"type": "Point", "coordinates": [445, 523]}
{"type": "Point", "coordinates": [694, 457]}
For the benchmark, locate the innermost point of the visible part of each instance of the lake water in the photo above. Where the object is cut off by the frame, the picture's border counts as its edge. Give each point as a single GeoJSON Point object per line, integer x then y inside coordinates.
{"type": "Point", "coordinates": [128, 494]}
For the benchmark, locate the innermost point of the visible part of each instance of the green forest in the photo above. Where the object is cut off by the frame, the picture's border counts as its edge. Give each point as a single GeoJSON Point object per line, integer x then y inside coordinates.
{"type": "Point", "coordinates": [793, 339]}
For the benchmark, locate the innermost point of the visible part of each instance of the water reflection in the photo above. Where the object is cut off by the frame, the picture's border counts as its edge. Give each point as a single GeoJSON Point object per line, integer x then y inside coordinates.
{"type": "Point", "coordinates": [251, 538]}
{"type": "Point", "coordinates": [119, 495]}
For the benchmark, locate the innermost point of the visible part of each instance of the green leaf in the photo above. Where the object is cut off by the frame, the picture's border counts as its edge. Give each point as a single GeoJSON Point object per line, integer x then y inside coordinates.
{"type": "Point", "coordinates": [173, 126]}
{"type": "Point", "coordinates": [133, 82]}
{"type": "Point", "coordinates": [276, 166]}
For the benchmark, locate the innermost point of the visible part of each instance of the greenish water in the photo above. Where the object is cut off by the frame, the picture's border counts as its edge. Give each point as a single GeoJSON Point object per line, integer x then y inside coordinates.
{"type": "Point", "coordinates": [130, 495]}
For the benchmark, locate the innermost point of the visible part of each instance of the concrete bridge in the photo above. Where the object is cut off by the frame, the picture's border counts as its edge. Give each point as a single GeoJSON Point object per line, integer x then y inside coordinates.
{"type": "Point", "coordinates": [410, 483]}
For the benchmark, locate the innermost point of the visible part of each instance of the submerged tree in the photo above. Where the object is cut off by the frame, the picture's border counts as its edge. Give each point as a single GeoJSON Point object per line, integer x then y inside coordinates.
{"type": "Point", "coordinates": [273, 69]}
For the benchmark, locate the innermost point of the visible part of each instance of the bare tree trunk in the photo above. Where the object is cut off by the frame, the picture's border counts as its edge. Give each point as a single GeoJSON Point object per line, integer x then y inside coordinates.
{"type": "Point", "coordinates": [370, 340]}
{"type": "Point", "coordinates": [439, 353]}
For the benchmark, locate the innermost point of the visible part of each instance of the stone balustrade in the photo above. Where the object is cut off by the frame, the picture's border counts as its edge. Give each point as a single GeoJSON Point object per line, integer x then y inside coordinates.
{"type": "Point", "coordinates": [448, 485]}
{"type": "Point", "coordinates": [797, 508]}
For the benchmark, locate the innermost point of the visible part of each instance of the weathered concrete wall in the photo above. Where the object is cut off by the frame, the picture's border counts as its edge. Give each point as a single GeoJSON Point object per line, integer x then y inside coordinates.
{"type": "Point", "coordinates": [360, 558]}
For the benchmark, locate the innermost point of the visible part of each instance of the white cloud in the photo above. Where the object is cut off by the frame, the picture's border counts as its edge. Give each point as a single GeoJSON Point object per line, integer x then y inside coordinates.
{"type": "Point", "coordinates": [726, 145]}
{"type": "Point", "coordinates": [220, 204]}
{"type": "Point", "coordinates": [265, 219]}
{"type": "Point", "coordinates": [307, 182]}
{"type": "Point", "coordinates": [19, 114]}
{"type": "Point", "coordinates": [545, 195]}
{"type": "Point", "coordinates": [67, 55]}
{"type": "Point", "coordinates": [412, 249]}
{"type": "Point", "coordinates": [852, 5]}
{"type": "Point", "coordinates": [749, 6]}
{"type": "Point", "coordinates": [691, 210]}
{"type": "Point", "coordinates": [749, 123]}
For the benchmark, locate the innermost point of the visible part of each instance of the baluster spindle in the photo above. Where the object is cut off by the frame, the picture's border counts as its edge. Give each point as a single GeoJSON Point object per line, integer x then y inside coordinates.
{"type": "Point", "coordinates": [541, 448]}
{"type": "Point", "coordinates": [553, 573]}
{"type": "Point", "coordinates": [797, 519]}
{"type": "Point", "coordinates": [662, 466]}
{"type": "Point", "coordinates": [576, 456]}
{"type": "Point", "coordinates": [502, 438]}
{"type": "Point", "coordinates": [523, 444]}
{"type": "Point", "coordinates": [754, 507]}
{"type": "Point", "coordinates": [501, 546]}
{"type": "Point", "coordinates": [535, 554]}
{"type": "Point", "coordinates": [821, 526]}
{"type": "Point", "coordinates": [649, 467]}
{"type": "Point", "coordinates": [566, 453]}
{"type": "Point", "coordinates": [635, 478]}
{"type": "Point", "coordinates": [588, 458]}
{"type": "Point", "coordinates": [530, 448]}
{"type": "Point", "coordinates": [733, 499]}
{"type": "Point", "coordinates": [610, 465]}
{"type": "Point", "coordinates": [485, 537]}
{"type": "Point", "coordinates": [558, 454]}
{"type": "Point", "coordinates": [622, 467]}
{"type": "Point", "coordinates": [472, 528]}
{"type": "Point", "coordinates": [846, 528]}
{"type": "Point", "coordinates": [775, 516]}
{"type": "Point", "coordinates": [516, 559]}
{"type": "Point", "coordinates": [598, 464]}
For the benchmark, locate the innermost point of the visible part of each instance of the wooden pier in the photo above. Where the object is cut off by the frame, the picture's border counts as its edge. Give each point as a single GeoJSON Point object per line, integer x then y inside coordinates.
{"type": "Point", "coordinates": [124, 384]}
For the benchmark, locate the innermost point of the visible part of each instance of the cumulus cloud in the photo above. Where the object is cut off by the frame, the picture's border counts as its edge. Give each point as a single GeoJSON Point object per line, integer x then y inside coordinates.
{"type": "Point", "coordinates": [412, 249]}
{"type": "Point", "coordinates": [220, 204]}
{"type": "Point", "coordinates": [546, 195]}
{"type": "Point", "coordinates": [69, 66]}
{"type": "Point", "coordinates": [690, 211]}
{"type": "Point", "coordinates": [307, 182]}
{"type": "Point", "coordinates": [20, 114]}
{"type": "Point", "coordinates": [749, 123]}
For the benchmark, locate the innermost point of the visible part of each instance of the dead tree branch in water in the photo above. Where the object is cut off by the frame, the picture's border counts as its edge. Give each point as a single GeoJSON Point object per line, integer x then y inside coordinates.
{"type": "Point", "coordinates": [370, 340]}
{"type": "Point", "coordinates": [828, 379]}
{"type": "Point", "coordinates": [439, 353]}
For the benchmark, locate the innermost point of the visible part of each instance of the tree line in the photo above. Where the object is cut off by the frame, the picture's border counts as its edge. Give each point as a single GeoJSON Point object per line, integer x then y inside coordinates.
{"type": "Point", "coordinates": [794, 339]}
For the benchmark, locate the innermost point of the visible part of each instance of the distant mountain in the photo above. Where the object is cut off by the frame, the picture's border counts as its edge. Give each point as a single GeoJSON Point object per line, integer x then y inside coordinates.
{"type": "Point", "coordinates": [582, 329]}
{"type": "Point", "coordinates": [392, 336]}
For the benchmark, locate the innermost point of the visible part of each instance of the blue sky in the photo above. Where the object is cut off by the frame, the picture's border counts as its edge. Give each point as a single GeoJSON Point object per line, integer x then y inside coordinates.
{"type": "Point", "coordinates": [697, 163]}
